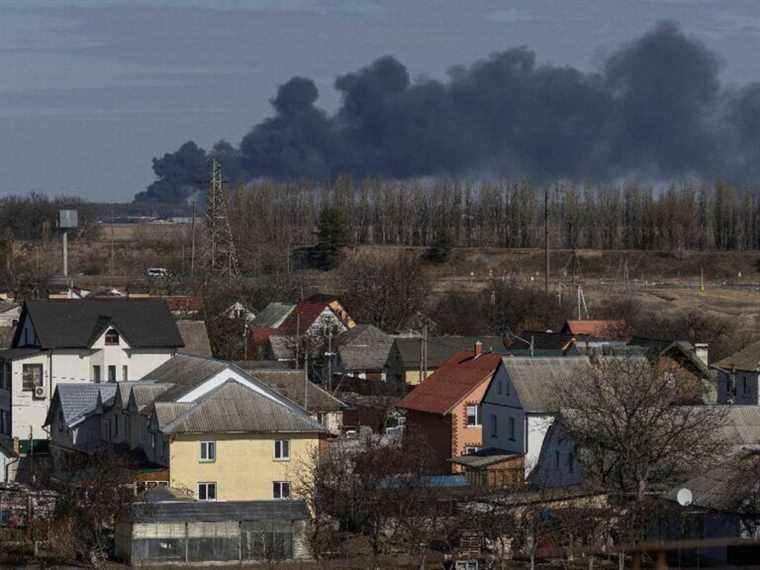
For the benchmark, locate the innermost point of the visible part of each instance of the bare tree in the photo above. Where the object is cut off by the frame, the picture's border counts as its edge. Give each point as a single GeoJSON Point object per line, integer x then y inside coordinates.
{"type": "Point", "coordinates": [632, 437]}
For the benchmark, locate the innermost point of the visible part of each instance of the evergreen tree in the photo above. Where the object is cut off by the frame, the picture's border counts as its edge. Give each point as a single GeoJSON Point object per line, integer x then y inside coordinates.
{"type": "Point", "coordinates": [440, 250]}
{"type": "Point", "coordinates": [332, 237]}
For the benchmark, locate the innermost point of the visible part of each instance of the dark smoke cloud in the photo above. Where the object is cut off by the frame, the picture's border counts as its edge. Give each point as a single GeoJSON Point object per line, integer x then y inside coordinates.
{"type": "Point", "coordinates": [654, 110]}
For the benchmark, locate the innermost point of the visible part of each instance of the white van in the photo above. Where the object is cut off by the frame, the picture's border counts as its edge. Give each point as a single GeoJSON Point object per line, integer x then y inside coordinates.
{"type": "Point", "coordinates": [156, 272]}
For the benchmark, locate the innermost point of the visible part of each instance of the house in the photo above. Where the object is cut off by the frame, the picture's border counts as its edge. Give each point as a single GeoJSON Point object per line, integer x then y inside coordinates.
{"type": "Point", "coordinates": [362, 352]}
{"type": "Point", "coordinates": [520, 405]}
{"type": "Point", "coordinates": [334, 304]}
{"type": "Point", "coordinates": [738, 376]}
{"type": "Point", "coordinates": [9, 314]}
{"type": "Point", "coordinates": [445, 410]}
{"type": "Point", "coordinates": [321, 406]}
{"type": "Point", "coordinates": [183, 306]}
{"type": "Point", "coordinates": [596, 330]}
{"type": "Point", "coordinates": [279, 328]}
{"type": "Point", "coordinates": [238, 310]}
{"type": "Point", "coordinates": [195, 338]}
{"type": "Point", "coordinates": [558, 464]}
{"type": "Point", "coordinates": [87, 341]}
{"type": "Point", "coordinates": [166, 527]}
{"type": "Point", "coordinates": [222, 433]}
{"type": "Point", "coordinates": [67, 292]}
{"type": "Point", "coordinates": [404, 358]}
{"type": "Point", "coordinates": [689, 363]}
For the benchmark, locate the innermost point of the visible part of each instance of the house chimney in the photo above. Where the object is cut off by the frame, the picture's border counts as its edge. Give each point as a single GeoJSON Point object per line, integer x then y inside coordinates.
{"type": "Point", "coordinates": [478, 348]}
{"type": "Point", "coordinates": [700, 349]}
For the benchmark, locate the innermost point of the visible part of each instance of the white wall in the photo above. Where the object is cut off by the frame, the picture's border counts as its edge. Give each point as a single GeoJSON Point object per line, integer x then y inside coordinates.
{"type": "Point", "coordinates": [557, 464]}
{"type": "Point", "coordinates": [538, 425]}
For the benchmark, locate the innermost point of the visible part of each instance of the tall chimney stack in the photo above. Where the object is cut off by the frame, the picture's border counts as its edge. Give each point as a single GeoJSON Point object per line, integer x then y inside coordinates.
{"type": "Point", "coordinates": [478, 348]}
{"type": "Point", "coordinates": [701, 351]}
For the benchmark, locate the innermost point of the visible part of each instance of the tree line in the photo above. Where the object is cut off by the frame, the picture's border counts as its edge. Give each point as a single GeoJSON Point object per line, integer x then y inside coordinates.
{"type": "Point", "coordinates": [680, 217]}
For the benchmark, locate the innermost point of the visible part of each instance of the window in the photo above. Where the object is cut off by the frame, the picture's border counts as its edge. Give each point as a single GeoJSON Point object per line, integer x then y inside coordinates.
{"type": "Point", "coordinates": [116, 425]}
{"type": "Point", "coordinates": [96, 374]}
{"type": "Point", "coordinates": [321, 418]}
{"type": "Point", "coordinates": [207, 491]}
{"type": "Point", "coordinates": [125, 373]}
{"type": "Point", "coordinates": [112, 338]}
{"type": "Point", "coordinates": [282, 449]}
{"type": "Point", "coordinates": [556, 459]}
{"type": "Point", "coordinates": [498, 387]}
{"type": "Point", "coordinates": [208, 451]}
{"type": "Point", "coordinates": [281, 489]}
{"type": "Point", "coordinates": [266, 540]}
{"type": "Point", "coordinates": [32, 376]}
{"type": "Point", "coordinates": [471, 450]}
{"type": "Point", "coordinates": [506, 388]}
{"type": "Point", "coordinates": [112, 374]}
{"type": "Point", "coordinates": [473, 416]}
{"type": "Point", "coordinates": [512, 429]}
{"type": "Point", "coordinates": [2, 376]}
{"type": "Point", "coordinates": [570, 462]}
{"type": "Point", "coordinates": [745, 386]}
{"type": "Point", "coordinates": [153, 441]}
{"type": "Point", "coordinates": [494, 425]}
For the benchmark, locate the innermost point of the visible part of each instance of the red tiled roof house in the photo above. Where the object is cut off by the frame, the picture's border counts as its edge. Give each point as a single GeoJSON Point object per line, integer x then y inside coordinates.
{"type": "Point", "coordinates": [445, 409]}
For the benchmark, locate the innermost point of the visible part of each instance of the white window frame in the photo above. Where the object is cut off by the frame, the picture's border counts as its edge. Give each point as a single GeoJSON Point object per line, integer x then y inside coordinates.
{"type": "Point", "coordinates": [477, 423]}
{"type": "Point", "coordinates": [209, 447]}
{"type": "Point", "coordinates": [281, 450]}
{"type": "Point", "coordinates": [110, 332]}
{"type": "Point", "coordinates": [207, 485]}
{"type": "Point", "coordinates": [277, 489]}
{"type": "Point", "coordinates": [111, 377]}
{"type": "Point", "coordinates": [125, 372]}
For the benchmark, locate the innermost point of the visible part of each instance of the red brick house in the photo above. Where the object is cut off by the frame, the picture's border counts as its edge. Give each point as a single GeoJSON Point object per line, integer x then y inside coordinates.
{"type": "Point", "coordinates": [445, 408]}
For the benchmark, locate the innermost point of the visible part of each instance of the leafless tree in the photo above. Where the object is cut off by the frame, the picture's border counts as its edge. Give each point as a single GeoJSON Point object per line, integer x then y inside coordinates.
{"type": "Point", "coordinates": [632, 437]}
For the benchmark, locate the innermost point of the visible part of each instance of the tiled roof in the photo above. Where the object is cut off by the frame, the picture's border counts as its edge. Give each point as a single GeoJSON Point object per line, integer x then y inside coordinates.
{"type": "Point", "coordinates": [195, 337]}
{"type": "Point", "coordinates": [290, 383]}
{"type": "Point", "coordinates": [535, 379]}
{"type": "Point", "coordinates": [145, 323]}
{"type": "Point", "coordinates": [183, 303]}
{"type": "Point", "coordinates": [747, 359]}
{"type": "Point", "coordinates": [232, 407]}
{"type": "Point", "coordinates": [453, 380]}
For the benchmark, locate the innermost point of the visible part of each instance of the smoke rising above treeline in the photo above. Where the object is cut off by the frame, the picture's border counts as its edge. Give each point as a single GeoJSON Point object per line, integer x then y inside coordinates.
{"type": "Point", "coordinates": [654, 110]}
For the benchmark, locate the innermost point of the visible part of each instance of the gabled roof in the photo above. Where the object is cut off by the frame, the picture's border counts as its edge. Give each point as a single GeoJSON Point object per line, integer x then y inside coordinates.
{"type": "Point", "coordinates": [535, 379]}
{"type": "Point", "coordinates": [145, 393]}
{"type": "Point", "coordinates": [747, 359]}
{"type": "Point", "coordinates": [687, 351]}
{"type": "Point", "coordinates": [272, 315]}
{"type": "Point", "coordinates": [146, 323]}
{"type": "Point", "coordinates": [453, 380]}
{"type": "Point", "coordinates": [292, 385]}
{"type": "Point", "coordinates": [184, 372]}
{"type": "Point", "coordinates": [195, 336]}
{"type": "Point", "coordinates": [441, 348]}
{"type": "Point", "coordinates": [76, 401]}
{"type": "Point", "coordinates": [303, 317]}
{"type": "Point", "coordinates": [363, 347]}
{"type": "Point", "coordinates": [232, 407]}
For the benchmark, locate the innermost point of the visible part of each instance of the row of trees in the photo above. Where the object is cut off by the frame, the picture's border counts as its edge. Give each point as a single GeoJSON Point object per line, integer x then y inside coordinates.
{"type": "Point", "coordinates": [499, 215]}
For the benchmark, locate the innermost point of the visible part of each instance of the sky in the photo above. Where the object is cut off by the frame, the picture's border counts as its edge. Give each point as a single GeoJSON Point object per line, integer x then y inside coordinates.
{"type": "Point", "coordinates": [93, 90]}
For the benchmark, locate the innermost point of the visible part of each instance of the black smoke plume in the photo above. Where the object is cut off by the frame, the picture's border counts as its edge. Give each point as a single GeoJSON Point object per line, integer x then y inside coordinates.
{"type": "Point", "coordinates": [654, 110]}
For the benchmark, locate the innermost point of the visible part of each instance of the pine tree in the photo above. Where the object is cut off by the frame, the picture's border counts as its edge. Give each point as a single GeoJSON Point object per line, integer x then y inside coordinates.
{"type": "Point", "coordinates": [332, 237]}
{"type": "Point", "coordinates": [440, 250]}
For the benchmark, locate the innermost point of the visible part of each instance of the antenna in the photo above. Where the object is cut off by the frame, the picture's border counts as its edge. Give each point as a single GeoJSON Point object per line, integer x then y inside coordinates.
{"type": "Point", "coordinates": [221, 246]}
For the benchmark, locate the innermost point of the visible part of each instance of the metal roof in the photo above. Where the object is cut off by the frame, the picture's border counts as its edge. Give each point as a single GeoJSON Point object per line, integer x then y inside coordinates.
{"type": "Point", "coordinates": [747, 359]}
{"type": "Point", "coordinates": [78, 400]}
{"type": "Point", "coordinates": [145, 323]}
{"type": "Point", "coordinates": [217, 511]}
{"type": "Point", "coordinates": [184, 372]}
{"type": "Point", "coordinates": [363, 347]}
{"type": "Point", "coordinates": [441, 348]}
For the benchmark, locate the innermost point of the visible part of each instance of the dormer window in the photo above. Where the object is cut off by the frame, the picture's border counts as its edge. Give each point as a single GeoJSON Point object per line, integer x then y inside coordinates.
{"type": "Point", "coordinates": [112, 338]}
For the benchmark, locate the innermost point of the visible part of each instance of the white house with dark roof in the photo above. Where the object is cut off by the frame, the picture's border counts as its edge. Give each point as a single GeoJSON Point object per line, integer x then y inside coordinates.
{"type": "Point", "coordinates": [89, 341]}
{"type": "Point", "coordinates": [520, 404]}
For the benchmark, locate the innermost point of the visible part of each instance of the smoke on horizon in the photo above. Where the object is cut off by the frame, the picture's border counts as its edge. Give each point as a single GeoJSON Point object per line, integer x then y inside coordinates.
{"type": "Point", "coordinates": [655, 109]}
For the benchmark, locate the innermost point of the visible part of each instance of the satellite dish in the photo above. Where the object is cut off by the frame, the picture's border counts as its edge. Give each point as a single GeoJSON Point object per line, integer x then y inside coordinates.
{"type": "Point", "coordinates": [684, 497]}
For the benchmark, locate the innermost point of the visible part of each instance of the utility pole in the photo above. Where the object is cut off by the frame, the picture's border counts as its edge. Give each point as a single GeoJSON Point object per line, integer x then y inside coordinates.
{"type": "Point", "coordinates": [112, 238]}
{"type": "Point", "coordinates": [329, 354]}
{"type": "Point", "coordinates": [192, 246]}
{"type": "Point", "coordinates": [306, 385]}
{"type": "Point", "coordinates": [546, 240]}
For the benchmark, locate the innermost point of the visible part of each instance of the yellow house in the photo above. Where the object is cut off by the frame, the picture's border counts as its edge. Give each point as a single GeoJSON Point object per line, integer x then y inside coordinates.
{"type": "Point", "coordinates": [237, 444]}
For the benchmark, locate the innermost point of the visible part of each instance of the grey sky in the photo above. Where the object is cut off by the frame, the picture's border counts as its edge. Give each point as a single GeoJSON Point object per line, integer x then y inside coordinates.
{"type": "Point", "coordinates": [92, 90]}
